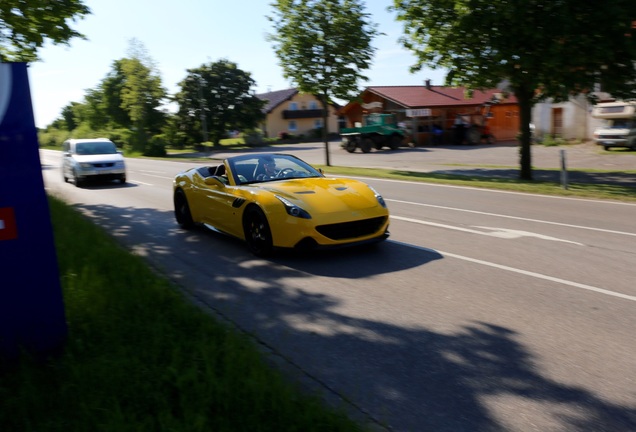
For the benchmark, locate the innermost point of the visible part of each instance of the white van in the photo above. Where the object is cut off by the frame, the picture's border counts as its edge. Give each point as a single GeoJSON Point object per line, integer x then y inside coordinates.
{"type": "Point", "coordinates": [96, 158]}
{"type": "Point", "coordinates": [619, 129]}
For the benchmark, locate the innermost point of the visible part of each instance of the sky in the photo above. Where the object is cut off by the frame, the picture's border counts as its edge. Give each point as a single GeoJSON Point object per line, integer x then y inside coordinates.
{"type": "Point", "coordinates": [180, 35]}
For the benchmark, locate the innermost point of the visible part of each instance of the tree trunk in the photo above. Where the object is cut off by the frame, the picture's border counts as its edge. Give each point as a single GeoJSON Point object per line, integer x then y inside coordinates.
{"type": "Point", "coordinates": [325, 126]}
{"type": "Point", "coordinates": [525, 155]}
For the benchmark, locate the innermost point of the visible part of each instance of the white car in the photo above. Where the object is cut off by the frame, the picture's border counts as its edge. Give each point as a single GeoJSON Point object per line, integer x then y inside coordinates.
{"type": "Point", "coordinates": [95, 158]}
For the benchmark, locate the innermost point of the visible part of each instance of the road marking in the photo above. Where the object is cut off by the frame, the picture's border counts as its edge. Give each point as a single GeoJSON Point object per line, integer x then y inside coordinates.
{"type": "Point", "coordinates": [494, 232]}
{"type": "Point", "coordinates": [515, 217]}
{"type": "Point", "coordinates": [140, 183]}
{"type": "Point", "coordinates": [147, 173]}
{"type": "Point", "coordinates": [523, 272]}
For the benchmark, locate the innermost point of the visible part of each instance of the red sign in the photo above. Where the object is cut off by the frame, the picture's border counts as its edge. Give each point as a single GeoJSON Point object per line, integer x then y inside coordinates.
{"type": "Point", "coordinates": [8, 228]}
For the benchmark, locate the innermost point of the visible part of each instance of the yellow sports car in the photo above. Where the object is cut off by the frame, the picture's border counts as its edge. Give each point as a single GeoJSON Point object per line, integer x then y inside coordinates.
{"type": "Point", "coordinates": [273, 200]}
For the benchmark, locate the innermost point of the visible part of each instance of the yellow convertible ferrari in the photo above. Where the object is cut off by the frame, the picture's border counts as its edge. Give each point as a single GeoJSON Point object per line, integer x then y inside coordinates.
{"type": "Point", "coordinates": [273, 200]}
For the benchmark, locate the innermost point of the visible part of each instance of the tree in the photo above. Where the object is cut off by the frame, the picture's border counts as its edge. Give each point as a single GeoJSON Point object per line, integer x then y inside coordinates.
{"type": "Point", "coordinates": [323, 47]}
{"type": "Point", "coordinates": [543, 49]}
{"type": "Point", "coordinates": [215, 98]}
{"type": "Point", "coordinates": [26, 25]}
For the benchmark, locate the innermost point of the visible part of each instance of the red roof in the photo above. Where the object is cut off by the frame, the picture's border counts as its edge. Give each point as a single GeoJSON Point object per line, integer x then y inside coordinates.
{"type": "Point", "coordinates": [434, 96]}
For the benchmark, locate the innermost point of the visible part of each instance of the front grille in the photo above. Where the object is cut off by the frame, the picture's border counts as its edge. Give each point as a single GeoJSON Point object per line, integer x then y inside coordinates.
{"type": "Point", "coordinates": [350, 230]}
{"type": "Point", "coordinates": [103, 165]}
{"type": "Point", "coordinates": [611, 137]}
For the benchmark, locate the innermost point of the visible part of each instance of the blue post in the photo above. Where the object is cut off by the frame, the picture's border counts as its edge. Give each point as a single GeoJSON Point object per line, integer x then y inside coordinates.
{"type": "Point", "coordinates": [31, 306]}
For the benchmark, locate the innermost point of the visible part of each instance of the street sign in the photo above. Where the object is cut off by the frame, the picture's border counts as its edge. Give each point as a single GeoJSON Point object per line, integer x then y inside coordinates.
{"type": "Point", "coordinates": [31, 307]}
{"type": "Point", "coordinates": [421, 112]}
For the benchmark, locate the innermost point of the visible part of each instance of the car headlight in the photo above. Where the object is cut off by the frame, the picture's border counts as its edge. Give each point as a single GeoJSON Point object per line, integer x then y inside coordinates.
{"type": "Point", "coordinates": [85, 165]}
{"type": "Point", "coordinates": [293, 210]}
{"type": "Point", "coordinates": [378, 197]}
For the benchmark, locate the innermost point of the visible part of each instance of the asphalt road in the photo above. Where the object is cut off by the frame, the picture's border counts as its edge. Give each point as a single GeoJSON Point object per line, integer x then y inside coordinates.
{"type": "Point", "coordinates": [484, 311]}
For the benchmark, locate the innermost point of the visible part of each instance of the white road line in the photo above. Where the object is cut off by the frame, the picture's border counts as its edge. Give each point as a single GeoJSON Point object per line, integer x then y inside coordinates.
{"type": "Point", "coordinates": [514, 217]}
{"type": "Point", "coordinates": [494, 232]}
{"type": "Point", "coordinates": [523, 272]}
{"type": "Point", "coordinates": [140, 183]}
{"type": "Point", "coordinates": [157, 176]}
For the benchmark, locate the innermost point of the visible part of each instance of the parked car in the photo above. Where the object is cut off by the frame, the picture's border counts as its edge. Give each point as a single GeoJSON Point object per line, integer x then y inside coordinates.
{"type": "Point", "coordinates": [273, 200]}
{"type": "Point", "coordinates": [95, 158]}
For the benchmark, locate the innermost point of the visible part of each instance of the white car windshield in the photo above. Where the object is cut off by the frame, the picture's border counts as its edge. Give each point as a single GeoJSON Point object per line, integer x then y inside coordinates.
{"type": "Point", "coordinates": [95, 148]}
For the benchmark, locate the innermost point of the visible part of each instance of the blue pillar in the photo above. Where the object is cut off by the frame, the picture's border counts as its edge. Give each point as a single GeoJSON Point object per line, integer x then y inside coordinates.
{"type": "Point", "coordinates": [31, 305]}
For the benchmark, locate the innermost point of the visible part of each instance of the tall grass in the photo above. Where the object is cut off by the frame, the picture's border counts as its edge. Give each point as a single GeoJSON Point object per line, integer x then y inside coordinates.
{"type": "Point", "coordinates": [140, 357]}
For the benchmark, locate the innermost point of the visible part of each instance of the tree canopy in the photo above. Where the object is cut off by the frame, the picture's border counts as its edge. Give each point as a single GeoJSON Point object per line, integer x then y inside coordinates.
{"type": "Point", "coordinates": [26, 25]}
{"type": "Point", "coordinates": [543, 49]}
{"type": "Point", "coordinates": [214, 99]}
{"type": "Point", "coordinates": [324, 47]}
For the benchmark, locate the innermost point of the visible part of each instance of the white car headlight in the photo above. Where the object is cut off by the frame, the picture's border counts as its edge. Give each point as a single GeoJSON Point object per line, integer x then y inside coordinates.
{"type": "Point", "coordinates": [85, 165]}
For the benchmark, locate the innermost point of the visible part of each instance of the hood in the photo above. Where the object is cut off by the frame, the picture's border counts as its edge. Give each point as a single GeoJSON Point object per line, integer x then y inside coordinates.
{"type": "Point", "coordinates": [114, 157]}
{"type": "Point", "coordinates": [328, 195]}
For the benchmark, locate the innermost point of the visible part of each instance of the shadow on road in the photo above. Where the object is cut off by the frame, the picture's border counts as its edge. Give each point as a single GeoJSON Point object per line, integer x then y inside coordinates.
{"type": "Point", "coordinates": [616, 178]}
{"type": "Point", "coordinates": [412, 379]}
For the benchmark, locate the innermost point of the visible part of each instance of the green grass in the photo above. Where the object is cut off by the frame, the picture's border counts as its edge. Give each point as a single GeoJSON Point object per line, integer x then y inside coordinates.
{"type": "Point", "coordinates": [575, 190]}
{"type": "Point", "coordinates": [141, 357]}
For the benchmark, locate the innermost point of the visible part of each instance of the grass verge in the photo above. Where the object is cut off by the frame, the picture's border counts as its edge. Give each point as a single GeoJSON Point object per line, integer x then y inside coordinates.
{"type": "Point", "coordinates": [140, 357]}
{"type": "Point", "coordinates": [574, 190]}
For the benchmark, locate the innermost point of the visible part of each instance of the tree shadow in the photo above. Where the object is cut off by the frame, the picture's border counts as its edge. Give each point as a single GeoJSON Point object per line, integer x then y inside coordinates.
{"type": "Point", "coordinates": [616, 178]}
{"type": "Point", "coordinates": [478, 378]}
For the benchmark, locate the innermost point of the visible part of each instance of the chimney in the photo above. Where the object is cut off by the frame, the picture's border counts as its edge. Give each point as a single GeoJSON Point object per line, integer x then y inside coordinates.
{"type": "Point", "coordinates": [428, 84]}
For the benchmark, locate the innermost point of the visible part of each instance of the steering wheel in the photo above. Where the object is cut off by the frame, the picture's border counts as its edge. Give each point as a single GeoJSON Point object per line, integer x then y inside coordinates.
{"type": "Point", "coordinates": [284, 172]}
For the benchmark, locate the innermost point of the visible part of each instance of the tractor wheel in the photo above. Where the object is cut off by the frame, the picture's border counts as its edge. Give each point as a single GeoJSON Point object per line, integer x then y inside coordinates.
{"type": "Point", "coordinates": [366, 145]}
{"type": "Point", "coordinates": [351, 144]}
{"type": "Point", "coordinates": [395, 141]}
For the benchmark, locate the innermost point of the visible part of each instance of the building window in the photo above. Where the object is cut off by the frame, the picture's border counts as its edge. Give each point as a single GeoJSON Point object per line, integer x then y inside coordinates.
{"type": "Point", "coordinates": [317, 123]}
{"type": "Point", "coordinates": [292, 126]}
{"type": "Point", "coordinates": [293, 106]}
{"type": "Point", "coordinates": [313, 105]}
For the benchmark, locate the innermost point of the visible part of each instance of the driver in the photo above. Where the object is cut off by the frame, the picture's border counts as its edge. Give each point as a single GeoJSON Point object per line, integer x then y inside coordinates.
{"type": "Point", "coordinates": [269, 165]}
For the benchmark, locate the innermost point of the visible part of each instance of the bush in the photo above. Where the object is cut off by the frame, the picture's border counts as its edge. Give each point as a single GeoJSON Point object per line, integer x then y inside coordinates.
{"type": "Point", "coordinates": [53, 137]}
{"type": "Point", "coordinates": [253, 137]}
{"type": "Point", "coordinates": [156, 146]}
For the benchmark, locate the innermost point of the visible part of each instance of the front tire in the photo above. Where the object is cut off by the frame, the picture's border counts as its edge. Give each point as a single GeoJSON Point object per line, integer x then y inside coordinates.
{"type": "Point", "coordinates": [257, 232]}
{"type": "Point", "coordinates": [79, 182]}
{"type": "Point", "coordinates": [182, 210]}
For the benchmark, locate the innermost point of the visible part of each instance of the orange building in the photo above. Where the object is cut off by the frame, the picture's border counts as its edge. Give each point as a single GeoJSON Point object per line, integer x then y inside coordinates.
{"type": "Point", "coordinates": [420, 108]}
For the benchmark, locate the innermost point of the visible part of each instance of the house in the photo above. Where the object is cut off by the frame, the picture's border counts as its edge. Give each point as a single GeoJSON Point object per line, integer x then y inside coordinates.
{"type": "Point", "coordinates": [419, 108]}
{"type": "Point", "coordinates": [570, 120]}
{"type": "Point", "coordinates": [293, 113]}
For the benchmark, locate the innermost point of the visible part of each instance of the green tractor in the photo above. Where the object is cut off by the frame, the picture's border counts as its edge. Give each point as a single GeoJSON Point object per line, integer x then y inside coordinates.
{"type": "Point", "coordinates": [378, 130]}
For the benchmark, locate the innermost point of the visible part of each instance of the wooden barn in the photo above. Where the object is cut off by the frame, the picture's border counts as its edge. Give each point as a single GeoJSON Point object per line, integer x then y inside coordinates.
{"type": "Point", "coordinates": [420, 109]}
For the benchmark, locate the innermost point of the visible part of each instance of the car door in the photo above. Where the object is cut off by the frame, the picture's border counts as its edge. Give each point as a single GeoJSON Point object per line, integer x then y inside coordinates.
{"type": "Point", "coordinates": [215, 200]}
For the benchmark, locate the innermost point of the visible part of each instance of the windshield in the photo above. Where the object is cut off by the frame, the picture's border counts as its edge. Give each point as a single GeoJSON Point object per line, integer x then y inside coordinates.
{"type": "Point", "coordinates": [268, 167]}
{"type": "Point", "coordinates": [621, 123]}
{"type": "Point", "coordinates": [95, 148]}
